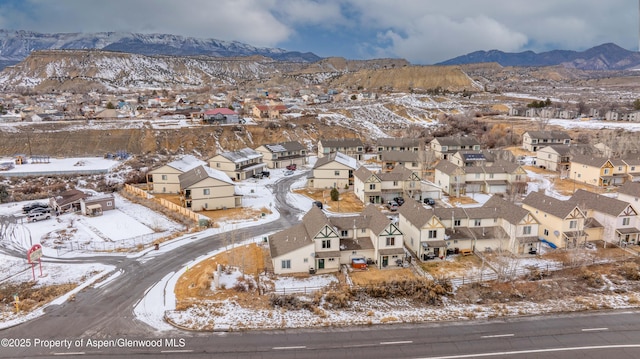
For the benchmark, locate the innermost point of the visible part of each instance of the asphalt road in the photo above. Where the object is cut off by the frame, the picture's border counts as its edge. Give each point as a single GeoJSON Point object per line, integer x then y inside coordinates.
{"type": "Point", "coordinates": [100, 323]}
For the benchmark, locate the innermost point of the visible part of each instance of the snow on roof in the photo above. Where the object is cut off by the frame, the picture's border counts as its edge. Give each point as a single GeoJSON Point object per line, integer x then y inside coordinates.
{"type": "Point", "coordinates": [217, 174]}
{"type": "Point", "coordinates": [241, 155]}
{"type": "Point", "coordinates": [276, 148]}
{"type": "Point", "coordinates": [186, 163]}
{"type": "Point", "coordinates": [346, 160]}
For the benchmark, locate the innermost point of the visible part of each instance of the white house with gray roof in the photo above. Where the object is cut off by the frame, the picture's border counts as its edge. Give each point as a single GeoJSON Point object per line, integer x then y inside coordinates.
{"type": "Point", "coordinates": [164, 179]}
{"type": "Point", "coordinates": [334, 170]}
{"type": "Point", "coordinates": [204, 188]}
{"type": "Point", "coordinates": [280, 155]}
{"type": "Point", "coordinates": [238, 165]}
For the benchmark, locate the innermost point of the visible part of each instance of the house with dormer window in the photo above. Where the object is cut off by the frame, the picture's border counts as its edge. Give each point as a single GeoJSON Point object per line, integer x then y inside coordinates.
{"type": "Point", "coordinates": [561, 223]}
{"type": "Point", "coordinates": [424, 233]}
{"type": "Point", "coordinates": [381, 187]}
{"type": "Point", "coordinates": [598, 171]}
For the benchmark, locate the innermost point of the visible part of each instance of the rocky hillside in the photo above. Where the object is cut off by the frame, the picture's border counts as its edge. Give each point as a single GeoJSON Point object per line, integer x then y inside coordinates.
{"type": "Point", "coordinates": [15, 46]}
{"type": "Point", "coordinates": [92, 70]}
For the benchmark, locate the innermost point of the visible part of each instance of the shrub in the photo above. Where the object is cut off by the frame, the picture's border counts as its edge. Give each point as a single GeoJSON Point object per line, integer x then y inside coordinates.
{"type": "Point", "coordinates": [335, 195]}
{"type": "Point", "coordinates": [630, 271]}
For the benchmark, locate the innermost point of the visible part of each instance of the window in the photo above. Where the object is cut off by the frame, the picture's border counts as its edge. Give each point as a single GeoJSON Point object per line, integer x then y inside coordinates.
{"type": "Point", "coordinates": [490, 175]}
{"type": "Point", "coordinates": [391, 241]}
{"type": "Point", "coordinates": [626, 221]}
{"type": "Point", "coordinates": [606, 171]}
{"type": "Point", "coordinates": [546, 232]}
{"type": "Point", "coordinates": [573, 224]}
{"type": "Point", "coordinates": [432, 233]}
{"type": "Point", "coordinates": [477, 222]}
{"type": "Point", "coordinates": [344, 233]}
{"type": "Point", "coordinates": [372, 186]}
{"type": "Point", "coordinates": [477, 176]}
{"type": "Point", "coordinates": [109, 204]}
{"type": "Point", "coordinates": [633, 168]}
{"type": "Point", "coordinates": [326, 243]}
{"type": "Point", "coordinates": [206, 191]}
{"type": "Point", "coordinates": [363, 230]}
{"type": "Point", "coordinates": [526, 230]}
{"type": "Point", "coordinates": [286, 264]}
{"type": "Point", "coordinates": [395, 183]}
{"type": "Point", "coordinates": [306, 260]}
{"type": "Point", "coordinates": [218, 164]}
{"type": "Point", "coordinates": [164, 177]}
{"type": "Point", "coordinates": [206, 205]}
{"type": "Point", "coordinates": [456, 223]}
{"type": "Point", "coordinates": [414, 164]}
{"type": "Point", "coordinates": [337, 173]}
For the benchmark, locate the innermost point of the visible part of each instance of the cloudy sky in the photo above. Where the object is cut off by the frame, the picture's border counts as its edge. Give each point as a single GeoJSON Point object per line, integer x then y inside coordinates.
{"type": "Point", "coordinates": [421, 31]}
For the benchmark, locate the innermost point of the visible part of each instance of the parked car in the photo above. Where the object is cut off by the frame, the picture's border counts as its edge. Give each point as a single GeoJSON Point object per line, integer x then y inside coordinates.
{"type": "Point", "coordinates": [40, 210]}
{"type": "Point", "coordinates": [399, 200]}
{"type": "Point", "coordinates": [392, 206]}
{"type": "Point", "coordinates": [317, 204]}
{"type": "Point", "coordinates": [266, 173]}
{"type": "Point", "coordinates": [429, 201]}
{"type": "Point", "coordinates": [31, 206]}
{"type": "Point", "coordinates": [292, 167]}
{"type": "Point", "coordinates": [34, 217]}
{"type": "Point", "coordinates": [257, 175]}
{"type": "Point", "coordinates": [288, 173]}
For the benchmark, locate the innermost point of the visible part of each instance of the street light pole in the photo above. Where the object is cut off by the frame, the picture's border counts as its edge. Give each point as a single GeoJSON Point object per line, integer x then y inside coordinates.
{"type": "Point", "coordinates": [574, 181]}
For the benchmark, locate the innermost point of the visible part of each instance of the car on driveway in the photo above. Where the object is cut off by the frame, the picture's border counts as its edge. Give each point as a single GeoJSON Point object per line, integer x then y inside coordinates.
{"type": "Point", "coordinates": [31, 206]}
{"type": "Point", "coordinates": [34, 217]}
{"type": "Point", "coordinates": [392, 206]}
{"type": "Point", "coordinates": [292, 167]}
{"type": "Point", "coordinates": [288, 172]}
{"type": "Point", "coordinates": [429, 201]}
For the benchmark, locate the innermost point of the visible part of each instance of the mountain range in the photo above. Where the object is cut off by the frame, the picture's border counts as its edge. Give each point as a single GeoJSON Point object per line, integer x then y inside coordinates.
{"type": "Point", "coordinates": [15, 46]}
{"type": "Point", "coordinates": [603, 57]}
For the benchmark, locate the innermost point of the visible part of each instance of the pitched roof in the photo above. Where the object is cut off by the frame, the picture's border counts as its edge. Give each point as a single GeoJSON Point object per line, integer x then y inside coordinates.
{"type": "Point", "coordinates": [446, 167]}
{"type": "Point", "coordinates": [399, 156]}
{"type": "Point", "coordinates": [284, 146]}
{"type": "Point", "coordinates": [299, 235]}
{"type": "Point", "coordinates": [370, 218]}
{"type": "Point", "coordinates": [362, 173]}
{"type": "Point", "coordinates": [630, 188]}
{"type": "Point", "coordinates": [588, 200]}
{"type": "Point", "coordinates": [415, 213]}
{"type": "Point", "coordinates": [589, 160]}
{"type": "Point", "coordinates": [456, 141]}
{"type": "Point", "coordinates": [556, 135]}
{"type": "Point", "coordinates": [337, 157]}
{"type": "Point", "coordinates": [343, 142]}
{"type": "Point", "coordinates": [398, 142]}
{"type": "Point", "coordinates": [507, 210]}
{"type": "Point", "coordinates": [221, 111]}
{"type": "Point", "coordinates": [241, 155]}
{"type": "Point", "coordinates": [201, 173]}
{"type": "Point", "coordinates": [553, 206]}
{"type": "Point", "coordinates": [561, 150]}
{"type": "Point", "coordinates": [186, 163]}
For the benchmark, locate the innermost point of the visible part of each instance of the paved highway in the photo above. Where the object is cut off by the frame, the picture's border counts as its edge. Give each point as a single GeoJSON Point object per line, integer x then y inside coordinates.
{"type": "Point", "coordinates": [100, 323]}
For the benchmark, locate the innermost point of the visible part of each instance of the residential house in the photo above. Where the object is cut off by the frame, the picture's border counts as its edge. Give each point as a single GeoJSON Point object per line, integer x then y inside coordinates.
{"type": "Point", "coordinates": [165, 178]}
{"type": "Point", "coordinates": [372, 229]}
{"type": "Point", "coordinates": [612, 115]}
{"type": "Point", "coordinates": [96, 205]}
{"type": "Point", "coordinates": [382, 187]}
{"type": "Point", "coordinates": [313, 245]}
{"type": "Point", "coordinates": [204, 188]}
{"type": "Point", "coordinates": [408, 159]}
{"type": "Point", "coordinates": [424, 233]}
{"type": "Point", "coordinates": [554, 157]}
{"type": "Point", "coordinates": [352, 147]}
{"type": "Point", "coordinates": [502, 177]}
{"type": "Point", "coordinates": [322, 244]}
{"type": "Point", "coordinates": [630, 193]}
{"type": "Point", "coordinates": [238, 165]}
{"type": "Point", "coordinates": [618, 220]}
{"type": "Point", "coordinates": [270, 111]}
{"type": "Point", "coordinates": [534, 140]}
{"type": "Point", "coordinates": [561, 223]}
{"type": "Point", "coordinates": [280, 155]}
{"type": "Point", "coordinates": [221, 115]}
{"type": "Point", "coordinates": [519, 224]}
{"type": "Point", "coordinates": [633, 167]}
{"type": "Point", "coordinates": [399, 144]}
{"type": "Point", "coordinates": [481, 158]}
{"type": "Point", "coordinates": [67, 201]}
{"type": "Point", "coordinates": [598, 171]}
{"type": "Point", "coordinates": [447, 146]}
{"type": "Point", "coordinates": [334, 170]}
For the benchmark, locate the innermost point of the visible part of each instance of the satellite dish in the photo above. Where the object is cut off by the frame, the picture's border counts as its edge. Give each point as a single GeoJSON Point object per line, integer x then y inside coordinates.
{"type": "Point", "coordinates": [556, 233]}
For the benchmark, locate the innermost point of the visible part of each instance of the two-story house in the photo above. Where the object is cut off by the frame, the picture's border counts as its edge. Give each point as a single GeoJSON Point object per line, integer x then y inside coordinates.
{"type": "Point", "coordinates": [409, 159]}
{"type": "Point", "coordinates": [519, 224]}
{"type": "Point", "coordinates": [268, 111]}
{"type": "Point", "coordinates": [633, 167]}
{"type": "Point", "coordinates": [619, 219]}
{"type": "Point", "coordinates": [401, 144]}
{"type": "Point", "coordinates": [382, 187]}
{"type": "Point", "coordinates": [630, 193]}
{"type": "Point", "coordinates": [204, 188]}
{"type": "Point", "coordinates": [321, 244]}
{"type": "Point", "coordinates": [598, 171]}
{"type": "Point", "coordinates": [238, 165]}
{"type": "Point", "coordinates": [561, 223]}
{"type": "Point", "coordinates": [554, 158]}
{"type": "Point", "coordinates": [443, 147]}
{"type": "Point", "coordinates": [502, 177]}
{"type": "Point", "coordinates": [352, 147]}
{"type": "Point", "coordinates": [534, 140]}
{"type": "Point", "coordinates": [424, 233]}
{"type": "Point", "coordinates": [335, 170]}
{"type": "Point", "coordinates": [280, 155]}
{"type": "Point", "coordinates": [164, 179]}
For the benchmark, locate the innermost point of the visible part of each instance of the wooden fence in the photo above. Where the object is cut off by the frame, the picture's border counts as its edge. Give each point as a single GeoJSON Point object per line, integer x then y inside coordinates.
{"type": "Point", "coordinates": [163, 202]}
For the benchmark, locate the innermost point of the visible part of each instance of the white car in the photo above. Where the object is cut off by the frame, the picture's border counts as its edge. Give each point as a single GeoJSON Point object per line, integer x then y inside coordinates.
{"type": "Point", "coordinates": [34, 217]}
{"type": "Point", "coordinates": [288, 172]}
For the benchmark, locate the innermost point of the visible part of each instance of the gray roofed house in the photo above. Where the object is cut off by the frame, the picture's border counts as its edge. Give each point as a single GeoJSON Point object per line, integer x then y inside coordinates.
{"type": "Point", "coordinates": [447, 146]}
{"type": "Point", "coordinates": [399, 144]}
{"type": "Point", "coordinates": [239, 165]}
{"type": "Point", "coordinates": [561, 223]}
{"type": "Point", "coordinates": [352, 147]}
{"type": "Point", "coordinates": [164, 179]}
{"type": "Point", "coordinates": [534, 140]}
{"type": "Point", "coordinates": [205, 188]}
{"type": "Point", "coordinates": [280, 155]}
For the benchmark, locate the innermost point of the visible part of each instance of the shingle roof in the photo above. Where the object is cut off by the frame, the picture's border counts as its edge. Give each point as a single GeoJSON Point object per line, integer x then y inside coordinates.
{"type": "Point", "coordinates": [370, 218]}
{"type": "Point", "coordinates": [299, 235]}
{"type": "Point", "coordinates": [398, 142]}
{"type": "Point", "coordinates": [241, 155]}
{"type": "Point", "coordinates": [284, 146]}
{"type": "Point", "coordinates": [200, 173]}
{"type": "Point", "coordinates": [343, 142]}
{"type": "Point", "coordinates": [399, 156]}
{"type": "Point", "coordinates": [415, 213]}
{"type": "Point", "coordinates": [508, 211]}
{"type": "Point", "coordinates": [588, 200]}
{"type": "Point", "coordinates": [630, 188]}
{"type": "Point", "coordinates": [338, 157]}
{"type": "Point", "coordinates": [456, 141]}
{"type": "Point", "coordinates": [561, 150]}
{"type": "Point", "coordinates": [556, 135]}
{"type": "Point", "coordinates": [186, 163]}
{"type": "Point", "coordinates": [446, 167]}
{"type": "Point", "coordinates": [589, 160]}
{"type": "Point", "coordinates": [553, 206]}
{"type": "Point", "coordinates": [362, 173]}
